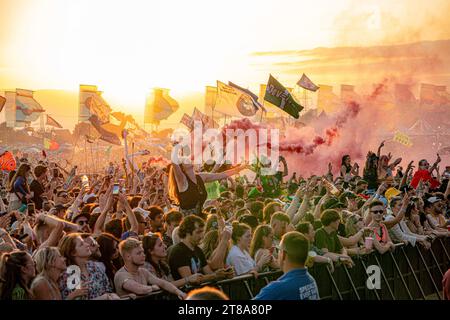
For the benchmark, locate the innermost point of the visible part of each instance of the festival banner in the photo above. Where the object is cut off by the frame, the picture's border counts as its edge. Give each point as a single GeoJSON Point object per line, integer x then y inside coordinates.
{"type": "Point", "coordinates": [21, 108]}
{"type": "Point", "coordinates": [160, 105]}
{"type": "Point", "coordinates": [210, 99]}
{"type": "Point", "coordinates": [7, 161]}
{"type": "Point", "coordinates": [207, 121]}
{"type": "Point", "coordinates": [104, 134]}
{"type": "Point", "coordinates": [256, 104]}
{"type": "Point", "coordinates": [307, 84]}
{"type": "Point", "coordinates": [187, 121]}
{"type": "Point", "coordinates": [279, 96]}
{"type": "Point", "coordinates": [234, 102]}
{"type": "Point", "coordinates": [92, 103]}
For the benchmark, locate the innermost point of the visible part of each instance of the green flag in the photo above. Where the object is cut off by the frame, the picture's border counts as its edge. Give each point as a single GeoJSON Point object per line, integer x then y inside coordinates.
{"type": "Point", "coordinates": [280, 96]}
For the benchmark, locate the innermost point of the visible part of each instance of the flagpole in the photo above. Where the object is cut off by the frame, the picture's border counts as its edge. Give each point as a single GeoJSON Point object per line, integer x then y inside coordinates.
{"type": "Point", "coordinates": [93, 165]}
{"type": "Point", "coordinates": [214, 107]}
{"type": "Point", "coordinates": [85, 156]}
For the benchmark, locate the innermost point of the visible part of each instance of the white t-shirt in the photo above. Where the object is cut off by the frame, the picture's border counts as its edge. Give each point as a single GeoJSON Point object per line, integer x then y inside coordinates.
{"type": "Point", "coordinates": [240, 260]}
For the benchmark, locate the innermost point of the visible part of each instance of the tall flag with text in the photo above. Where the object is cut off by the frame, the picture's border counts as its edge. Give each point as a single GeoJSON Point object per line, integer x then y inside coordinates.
{"type": "Point", "coordinates": [279, 96]}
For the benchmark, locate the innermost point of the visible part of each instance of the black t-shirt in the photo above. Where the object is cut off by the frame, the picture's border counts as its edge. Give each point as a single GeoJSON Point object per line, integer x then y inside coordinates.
{"type": "Point", "coordinates": [180, 256]}
{"type": "Point", "coordinates": [38, 190]}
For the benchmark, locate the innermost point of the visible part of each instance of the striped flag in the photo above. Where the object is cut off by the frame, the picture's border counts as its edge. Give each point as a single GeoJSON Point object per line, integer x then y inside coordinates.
{"type": "Point", "coordinates": [53, 122]}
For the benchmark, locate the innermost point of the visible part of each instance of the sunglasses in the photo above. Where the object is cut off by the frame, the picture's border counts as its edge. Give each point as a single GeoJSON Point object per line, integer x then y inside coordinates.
{"type": "Point", "coordinates": [82, 222]}
{"type": "Point", "coordinates": [377, 211]}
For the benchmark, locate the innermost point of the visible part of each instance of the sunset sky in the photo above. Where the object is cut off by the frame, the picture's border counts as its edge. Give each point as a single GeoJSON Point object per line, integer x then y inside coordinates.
{"type": "Point", "coordinates": [128, 47]}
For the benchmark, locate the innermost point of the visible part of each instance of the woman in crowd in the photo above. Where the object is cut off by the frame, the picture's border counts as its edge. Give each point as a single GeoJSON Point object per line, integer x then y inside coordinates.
{"type": "Point", "coordinates": [187, 188]}
{"type": "Point", "coordinates": [77, 252]}
{"type": "Point", "coordinates": [109, 250]}
{"type": "Point", "coordinates": [347, 170]}
{"type": "Point", "coordinates": [19, 192]}
{"type": "Point", "coordinates": [239, 257]}
{"type": "Point", "coordinates": [50, 265]}
{"type": "Point", "coordinates": [155, 261]}
{"type": "Point", "coordinates": [261, 247]}
{"type": "Point", "coordinates": [209, 243]}
{"type": "Point", "coordinates": [16, 273]}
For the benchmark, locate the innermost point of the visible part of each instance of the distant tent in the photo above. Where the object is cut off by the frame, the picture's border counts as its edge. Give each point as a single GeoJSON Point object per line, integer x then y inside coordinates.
{"type": "Point", "coordinates": [421, 128]}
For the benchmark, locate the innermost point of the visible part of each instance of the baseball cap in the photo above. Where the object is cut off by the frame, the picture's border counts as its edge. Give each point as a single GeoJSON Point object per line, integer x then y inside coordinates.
{"type": "Point", "coordinates": [433, 199]}
{"type": "Point", "coordinates": [88, 197]}
{"type": "Point", "coordinates": [391, 192]}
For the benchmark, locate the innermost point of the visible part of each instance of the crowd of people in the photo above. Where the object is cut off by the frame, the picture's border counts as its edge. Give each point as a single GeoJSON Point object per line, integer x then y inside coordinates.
{"type": "Point", "coordinates": [136, 229]}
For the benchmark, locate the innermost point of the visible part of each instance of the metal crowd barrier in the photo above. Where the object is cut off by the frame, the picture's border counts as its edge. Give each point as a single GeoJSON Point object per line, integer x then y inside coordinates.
{"type": "Point", "coordinates": [407, 273]}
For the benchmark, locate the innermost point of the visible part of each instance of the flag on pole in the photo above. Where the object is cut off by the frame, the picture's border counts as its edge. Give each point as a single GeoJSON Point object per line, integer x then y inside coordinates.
{"type": "Point", "coordinates": [307, 84]}
{"type": "Point", "coordinates": [2, 102]}
{"type": "Point", "coordinates": [159, 106]}
{"type": "Point", "coordinates": [50, 144]}
{"type": "Point", "coordinates": [279, 96]}
{"type": "Point", "coordinates": [104, 134]}
{"type": "Point", "coordinates": [92, 103]}
{"type": "Point", "coordinates": [253, 96]}
{"type": "Point", "coordinates": [207, 122]}
{"type": "Point", "coordinates": [53, 122]}
{"type": "Point", "coordinates": [187, 121]}
{"type": "Point", "coordinates": [236, 101]}
{"type": "Point", "coordinates": [7, 161]}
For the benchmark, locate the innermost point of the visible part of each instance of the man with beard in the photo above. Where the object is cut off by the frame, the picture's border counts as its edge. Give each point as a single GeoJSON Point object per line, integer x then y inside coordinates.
{"type": "Point", "coordinates": [134, 278]}
{"type": "Point", "coordinates": [436, 216]}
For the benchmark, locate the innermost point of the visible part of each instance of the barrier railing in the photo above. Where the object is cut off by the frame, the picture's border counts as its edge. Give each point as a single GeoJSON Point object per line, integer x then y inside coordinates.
{"type": "Point", "coordinates": [406, 273]}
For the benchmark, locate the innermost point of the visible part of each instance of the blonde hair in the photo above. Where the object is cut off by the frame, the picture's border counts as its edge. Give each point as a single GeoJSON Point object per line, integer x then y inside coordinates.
{"type": "Point", "coordinates": [44, 257]}
{"type": "Point", "coordinates": [210, 242]}
{"type": "Point", "coordinates": [172, 186]}
{"type": "Point", "coordinates": [128, 245]}
{"type": "Point", "coordinates": [350, 225]}
{"type": "Point", "coordinates": [257, 242]}
{"type": "Point", "coordinates": [67, 246]}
